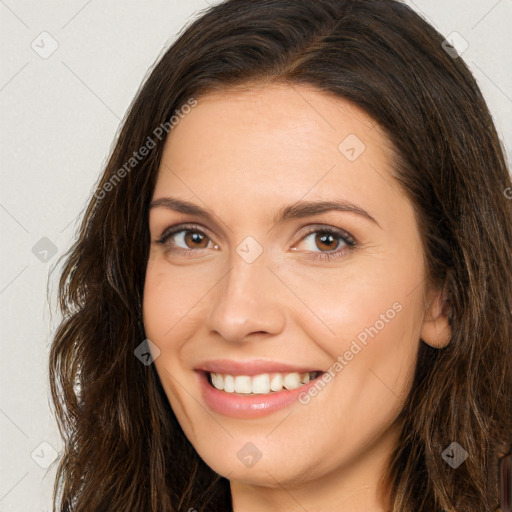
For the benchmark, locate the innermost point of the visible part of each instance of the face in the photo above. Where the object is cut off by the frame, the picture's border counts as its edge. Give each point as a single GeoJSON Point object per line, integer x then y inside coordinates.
{"type": "Point", "coordinates": [282, 251]}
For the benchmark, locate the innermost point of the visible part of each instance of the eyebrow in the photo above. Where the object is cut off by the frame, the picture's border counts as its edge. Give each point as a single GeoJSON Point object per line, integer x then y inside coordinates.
{"type": "Point", "coordinates": [299, 209]}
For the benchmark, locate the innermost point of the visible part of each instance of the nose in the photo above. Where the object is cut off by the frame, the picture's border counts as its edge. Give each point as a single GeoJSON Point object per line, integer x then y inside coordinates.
{"type": "Point", "coordinates": [247, 303]}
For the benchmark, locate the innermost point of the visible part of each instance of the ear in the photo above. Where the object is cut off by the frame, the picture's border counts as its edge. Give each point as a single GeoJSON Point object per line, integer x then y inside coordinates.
{"type": "Point", "coordinates": [436, 330]}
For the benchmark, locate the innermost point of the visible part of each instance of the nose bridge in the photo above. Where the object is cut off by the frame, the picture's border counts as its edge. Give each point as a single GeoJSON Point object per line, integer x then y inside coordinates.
{"type": "Point", "coordinates": [247, 300]}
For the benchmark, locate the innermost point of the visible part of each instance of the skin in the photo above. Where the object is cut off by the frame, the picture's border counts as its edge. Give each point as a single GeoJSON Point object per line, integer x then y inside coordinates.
{"type": "Point", "coordinates": [243, 155]}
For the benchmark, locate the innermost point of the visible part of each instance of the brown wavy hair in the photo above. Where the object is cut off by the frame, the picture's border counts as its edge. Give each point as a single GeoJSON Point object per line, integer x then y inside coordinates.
{"type": "Point", "coordinates": [124, 449]}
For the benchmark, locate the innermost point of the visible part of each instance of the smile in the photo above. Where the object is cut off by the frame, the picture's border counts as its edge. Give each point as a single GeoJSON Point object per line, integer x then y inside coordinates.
{"type": "Point", "coordinates": [262, 384]}
{"type": "Point", "coordinates": [254, 389]}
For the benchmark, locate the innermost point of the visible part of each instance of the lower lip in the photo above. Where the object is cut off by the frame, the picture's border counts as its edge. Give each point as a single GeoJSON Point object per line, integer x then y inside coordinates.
{"type": "Point", "coordinates": [242, 406]}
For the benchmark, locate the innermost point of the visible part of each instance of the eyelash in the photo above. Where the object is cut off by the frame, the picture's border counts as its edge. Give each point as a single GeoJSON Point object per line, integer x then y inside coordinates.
{"type": "Point", "coordinates": [326, 256]}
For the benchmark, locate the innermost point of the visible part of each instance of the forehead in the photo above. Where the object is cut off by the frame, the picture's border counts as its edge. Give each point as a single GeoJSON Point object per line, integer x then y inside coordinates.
{"type": "Point", "coordinates": [239, 122]}
{"type": "Point", "coordinates": [274, 143]}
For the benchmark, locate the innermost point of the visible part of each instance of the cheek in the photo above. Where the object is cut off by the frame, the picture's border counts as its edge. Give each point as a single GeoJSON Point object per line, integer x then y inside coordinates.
{"type": "Point", "coordinates": [374, 297]}
{"type": "Point", "coordinates": [172, 299]}
{"type": "Point", "coordinates": [168, 313]}
{"type": "Point", "coordinates": [368, 321]}
{"type": "Point", "coordinates": [175, 304]}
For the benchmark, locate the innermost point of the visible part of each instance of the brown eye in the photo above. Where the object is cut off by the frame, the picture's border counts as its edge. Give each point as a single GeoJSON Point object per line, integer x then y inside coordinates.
{"type": "Point", "coordinates": [326, 243]}
{"type": "Point", "coordinates": [326, 240]}
{"type": "Point", "coordinates": [195, 240]}
{"type": "Point", "coordinates": [184, 238]}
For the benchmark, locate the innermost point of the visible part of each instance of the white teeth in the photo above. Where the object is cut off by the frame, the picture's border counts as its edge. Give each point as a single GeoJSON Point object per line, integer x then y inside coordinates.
{"type": "Point", "coordinates": [218, 380]}
{"type": "Point", "coordinates": [292, 381]}
{"type": "Point", "coordinates": [277, 382]}
{"type": "Point", "coordinates": [229, 383]}
{"type": "Point", "coordinates": [260, 384]}
{"type": "Point", "coordinates": [243, 384]}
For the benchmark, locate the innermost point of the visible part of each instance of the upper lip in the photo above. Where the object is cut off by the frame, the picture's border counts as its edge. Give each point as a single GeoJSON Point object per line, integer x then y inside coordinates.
{"type": "Point", "coordinates": [251, 367]}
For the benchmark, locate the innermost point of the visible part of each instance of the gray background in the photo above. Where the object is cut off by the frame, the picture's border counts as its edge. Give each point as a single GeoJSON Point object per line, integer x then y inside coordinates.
{"type": "Point", "coordinates": [59, 115]}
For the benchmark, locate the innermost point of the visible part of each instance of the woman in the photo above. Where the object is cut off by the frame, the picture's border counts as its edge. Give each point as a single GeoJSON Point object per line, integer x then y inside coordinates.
{"type": "Point", "coordinates": [291, 290]}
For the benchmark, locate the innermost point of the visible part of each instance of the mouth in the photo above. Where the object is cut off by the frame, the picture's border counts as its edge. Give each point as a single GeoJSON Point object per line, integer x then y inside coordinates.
{"type": "Point", "coordinates": [261, 384]}
{"type": "Point", "coordinates": [253, 388]}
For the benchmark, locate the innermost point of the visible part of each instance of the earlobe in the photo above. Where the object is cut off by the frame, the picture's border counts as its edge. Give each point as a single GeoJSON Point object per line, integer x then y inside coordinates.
{"type": "Point", "coordinates": [436, 330]}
